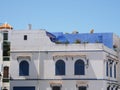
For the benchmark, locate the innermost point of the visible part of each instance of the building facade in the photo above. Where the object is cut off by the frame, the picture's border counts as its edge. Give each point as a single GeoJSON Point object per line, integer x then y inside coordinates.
{"type": "Point", "coordinates": [40, 60]}
{"type": "Point", "coordinates": [5, 56]}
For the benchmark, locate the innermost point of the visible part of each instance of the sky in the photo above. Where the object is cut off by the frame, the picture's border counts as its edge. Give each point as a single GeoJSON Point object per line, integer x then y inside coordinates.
{"type": "Point", "coordinates": [62, 15]}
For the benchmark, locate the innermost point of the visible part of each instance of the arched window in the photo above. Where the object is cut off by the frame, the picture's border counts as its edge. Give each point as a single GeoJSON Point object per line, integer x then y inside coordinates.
{"type": "Point", "coordinates": [24, 68]}
{"type": "Point", "coordinates": [106, 68]}
{"type": "Point", "coordinates": [60, 67]}
{"type": "Point", "coordinates": [114, 70]}
{"type": "Point", "coordinates": [79, 67]}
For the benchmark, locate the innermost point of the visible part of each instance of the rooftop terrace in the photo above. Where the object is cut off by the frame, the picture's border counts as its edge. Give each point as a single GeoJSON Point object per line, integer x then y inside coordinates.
{"type": "Point", "coordinates": [105, 38]}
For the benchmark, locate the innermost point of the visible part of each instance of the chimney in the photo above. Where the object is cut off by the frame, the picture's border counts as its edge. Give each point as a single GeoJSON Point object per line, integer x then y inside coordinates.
{"type": "Point", "coordinates": [29, 26]}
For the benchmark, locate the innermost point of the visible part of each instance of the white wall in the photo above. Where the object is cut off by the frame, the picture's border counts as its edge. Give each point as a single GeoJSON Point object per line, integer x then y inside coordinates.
{"type": "Point", "coordinates": [33, 65]}
{"type": "Point", "coordinates": [72, 84]}
{"type": "Point", "coordinates": [35, 39]}
{"type": "Point", "coordinates": [94, 70]}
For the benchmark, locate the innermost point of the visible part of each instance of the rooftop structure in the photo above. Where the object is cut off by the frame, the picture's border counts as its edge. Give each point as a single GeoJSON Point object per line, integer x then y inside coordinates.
{"type": "Point", "coordinates": [6, 26]}
{"type": "Point", "coordinates": [108, 39]}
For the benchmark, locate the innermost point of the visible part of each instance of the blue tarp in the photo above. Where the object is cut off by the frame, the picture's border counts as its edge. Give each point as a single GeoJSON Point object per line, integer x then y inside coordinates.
{"type": "Point", "coordinates": [105, 38]}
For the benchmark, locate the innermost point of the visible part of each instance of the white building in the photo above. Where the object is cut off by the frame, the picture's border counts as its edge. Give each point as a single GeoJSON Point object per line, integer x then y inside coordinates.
{"type": "Point", "coordinates": [40, 60]}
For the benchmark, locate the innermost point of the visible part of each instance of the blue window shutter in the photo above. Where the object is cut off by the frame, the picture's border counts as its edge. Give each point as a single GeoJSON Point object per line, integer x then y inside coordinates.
{"type": "Point", "coordinates": [115, 71]}
{"type": "Point", "coordinates": [106, 68]}
{"type": "Point", "coordinates": [24, 88]}
{"type": "Point", "coordinates": [24, 68]}
{"type": "Point", "coordinates": [60, 67]}
{"type": "Point", "coordinates": [111, 71]}
{"type": "Point", "coordinates": [79, 67]}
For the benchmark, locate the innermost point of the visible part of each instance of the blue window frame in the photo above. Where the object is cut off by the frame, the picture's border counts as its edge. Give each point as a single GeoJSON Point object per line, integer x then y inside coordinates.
{"type": "Point", "coordinates": [110, 71]}
{"type": "Point", "coordinates": [24, 68]}
{"type": "Point", "coordinates": [79, 67]}
{"type": "Point", "coordinates": [114, 70]}
{"type": "Point", "coordinates": [60, 67]}
{"type": "Point", "coordinates": [24, 88]}
{"type": "Point", "coordinates": [107, 69]}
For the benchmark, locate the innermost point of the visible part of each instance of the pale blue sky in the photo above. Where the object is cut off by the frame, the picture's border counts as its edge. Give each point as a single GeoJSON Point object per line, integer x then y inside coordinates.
{"type": "Point", "coordinates": [62, 15]}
